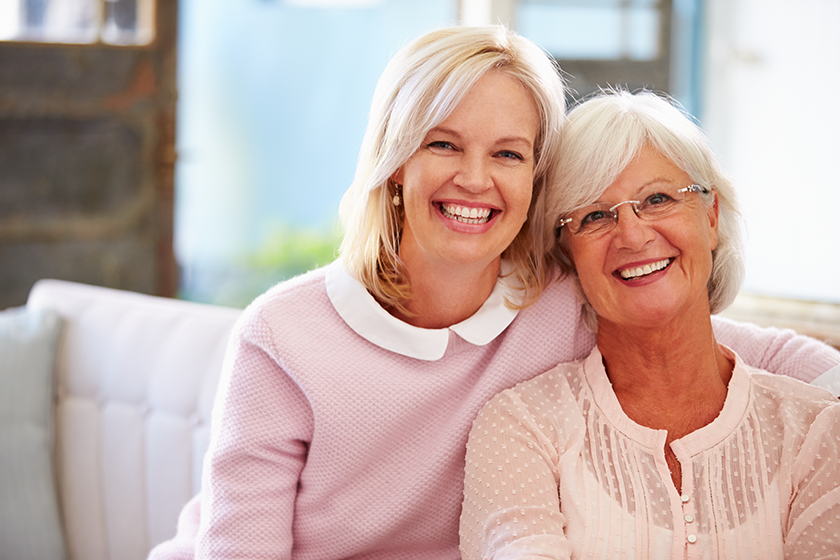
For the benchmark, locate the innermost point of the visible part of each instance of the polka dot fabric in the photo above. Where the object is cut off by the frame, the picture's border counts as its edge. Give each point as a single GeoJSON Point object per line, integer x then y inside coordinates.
{"type": "Point", "coordinates": [555, 469]}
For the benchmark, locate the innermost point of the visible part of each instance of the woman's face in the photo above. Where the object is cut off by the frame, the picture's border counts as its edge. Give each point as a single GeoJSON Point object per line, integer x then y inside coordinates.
{"type": "Point", "coordinates": [678, 249]}
{"type": "Point", "coordinates": [467, 189]}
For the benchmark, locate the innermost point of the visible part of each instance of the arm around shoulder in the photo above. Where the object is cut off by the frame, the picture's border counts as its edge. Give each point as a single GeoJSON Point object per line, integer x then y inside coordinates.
{"type": "Point", "coordinates": [780, 351]}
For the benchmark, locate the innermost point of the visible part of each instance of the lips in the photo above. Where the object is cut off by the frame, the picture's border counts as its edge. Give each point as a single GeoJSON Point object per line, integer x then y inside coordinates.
{"type": "Point", "coordinates": [465, 214]}
{"type": "Point", "coordinates": [640, 271]}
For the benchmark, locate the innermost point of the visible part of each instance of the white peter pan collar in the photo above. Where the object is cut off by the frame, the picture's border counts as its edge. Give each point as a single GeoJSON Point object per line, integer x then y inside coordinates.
{"type": "Point", "coordinates": [364, 315]}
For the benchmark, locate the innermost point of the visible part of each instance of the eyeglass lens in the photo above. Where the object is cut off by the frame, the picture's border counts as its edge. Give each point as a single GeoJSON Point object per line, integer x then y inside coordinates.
{"type": "Point", "coordinates": [601, 217]}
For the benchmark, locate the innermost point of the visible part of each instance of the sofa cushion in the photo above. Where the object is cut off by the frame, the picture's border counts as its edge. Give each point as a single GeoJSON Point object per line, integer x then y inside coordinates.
{"type": "Point", "coordinates": [136, 377]}
{"type": "Point", "coordinates": [30, 525]}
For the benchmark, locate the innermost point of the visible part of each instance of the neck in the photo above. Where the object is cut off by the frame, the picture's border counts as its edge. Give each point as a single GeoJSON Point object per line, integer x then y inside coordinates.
{"type": "Point", "coordinates": [671, 377]}
{"type": "Point", "coordinates": [668, 366]}
{"type": "Point", "coordinates": [443, 296]}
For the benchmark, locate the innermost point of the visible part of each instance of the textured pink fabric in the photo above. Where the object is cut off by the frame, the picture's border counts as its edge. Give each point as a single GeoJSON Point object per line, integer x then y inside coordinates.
{"type": "Point", "coordinates": [556, 470]}
{"type": "Point", "coordinates": [326, 446]}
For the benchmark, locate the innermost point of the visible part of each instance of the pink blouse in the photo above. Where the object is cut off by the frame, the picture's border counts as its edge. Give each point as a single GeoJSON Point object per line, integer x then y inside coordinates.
{"type": "Point", "coordinates": [555, 469]}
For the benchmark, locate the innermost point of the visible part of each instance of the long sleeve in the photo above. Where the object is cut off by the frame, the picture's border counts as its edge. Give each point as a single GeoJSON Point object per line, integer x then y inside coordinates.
{"type": "Point", "coordinates": [261, 427]}
{"type": "Point", "coordinates": [779, 351]}
{"type": "Point", "coordinates": [813, 526]}
{"type": "Point", "coordinates": [511, 505]}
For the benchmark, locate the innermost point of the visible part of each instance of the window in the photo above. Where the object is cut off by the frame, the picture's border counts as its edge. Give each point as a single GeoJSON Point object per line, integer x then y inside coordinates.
{"type": "Point", "coordinates": [114, 22]}
{"type": "Point", "coordinates": [272, 106]}
{"type": "Point", "coordinates": [593, 29]}
{"type": "Point", "coordinates": [602, 43]}
{"type": "Point", "coordinates": [770, 109]}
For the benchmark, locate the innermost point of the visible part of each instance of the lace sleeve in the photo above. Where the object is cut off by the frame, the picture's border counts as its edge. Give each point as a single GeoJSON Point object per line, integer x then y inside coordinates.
{"type": "Point", "coordinates": [813, 528]}
{"type": "Point", "coordinates": [511, 506]}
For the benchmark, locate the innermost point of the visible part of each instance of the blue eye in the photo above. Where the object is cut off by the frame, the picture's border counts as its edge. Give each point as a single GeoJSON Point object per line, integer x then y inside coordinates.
{"type": "Point", "coordinates": [440, 144]}
{"type": "Point", "coordinates": [594, 218]}
{"type": "Point", "coordinates": [658, 198]}
{"type": "Point", "coordinates": [511, 155]}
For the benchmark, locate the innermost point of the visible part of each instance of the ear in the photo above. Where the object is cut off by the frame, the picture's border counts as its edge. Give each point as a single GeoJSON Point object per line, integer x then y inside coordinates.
{"type": "Point", "coordinates": [713, 212]}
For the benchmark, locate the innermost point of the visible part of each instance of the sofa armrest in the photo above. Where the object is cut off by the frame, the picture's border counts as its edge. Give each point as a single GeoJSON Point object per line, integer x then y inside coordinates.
{"type": "Point", "coordinates": [136, 378]}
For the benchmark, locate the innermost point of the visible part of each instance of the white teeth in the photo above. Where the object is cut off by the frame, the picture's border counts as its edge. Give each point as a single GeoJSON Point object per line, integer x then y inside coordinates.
{"type": "Point", "coordinates": [644, 270]}
{"type": "Point", "coordinates": [465, 214]}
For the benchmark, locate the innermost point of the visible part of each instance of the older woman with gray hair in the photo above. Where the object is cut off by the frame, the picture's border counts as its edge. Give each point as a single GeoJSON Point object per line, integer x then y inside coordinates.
{"type": "Point", "coordinates": [662, 443]}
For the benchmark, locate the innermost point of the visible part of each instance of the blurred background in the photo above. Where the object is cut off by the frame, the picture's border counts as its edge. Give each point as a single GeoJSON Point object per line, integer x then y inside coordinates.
{"type": "Point", "coordinates": [199, 148]}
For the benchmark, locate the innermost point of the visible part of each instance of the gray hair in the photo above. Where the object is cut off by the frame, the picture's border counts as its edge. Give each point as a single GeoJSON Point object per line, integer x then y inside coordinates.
{"type": "Point", "coordinates": [421, 86]}
{"type": "Point", "coordinates": [603, 135]}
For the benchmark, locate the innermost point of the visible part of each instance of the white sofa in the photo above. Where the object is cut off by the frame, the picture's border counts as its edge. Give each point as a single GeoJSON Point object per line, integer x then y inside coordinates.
{"type": "Point", "coordinates": [135, 379]}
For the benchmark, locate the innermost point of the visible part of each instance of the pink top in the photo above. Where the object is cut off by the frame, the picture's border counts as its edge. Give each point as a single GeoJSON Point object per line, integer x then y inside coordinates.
{"type": "Point", "coordinates": [555, 469]}
{"type": "Point", "coordinates": [339, 431]}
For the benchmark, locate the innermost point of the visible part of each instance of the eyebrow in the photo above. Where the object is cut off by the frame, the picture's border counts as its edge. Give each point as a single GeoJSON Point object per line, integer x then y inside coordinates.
{"type": "Point", "coordinates": [519, 139]}
{"type": "Point", "coordinates": [641, 187]}
{"type": "Point", "coordinates": [647, 184]}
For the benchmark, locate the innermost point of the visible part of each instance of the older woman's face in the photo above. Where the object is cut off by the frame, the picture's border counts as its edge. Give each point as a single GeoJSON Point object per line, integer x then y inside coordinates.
{"type": "Point", "coordinates": [467, 189]}
{"type": "Point", "coordinates": [646, 273]}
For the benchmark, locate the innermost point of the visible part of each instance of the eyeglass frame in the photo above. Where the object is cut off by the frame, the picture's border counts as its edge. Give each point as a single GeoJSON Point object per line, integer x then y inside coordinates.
{"type": "Point", "coordinates": [634, 204]}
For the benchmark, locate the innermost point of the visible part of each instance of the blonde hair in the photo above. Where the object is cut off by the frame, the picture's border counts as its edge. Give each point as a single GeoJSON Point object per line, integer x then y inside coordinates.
{"type": "Point", "coordinates": [603, 135]}
{"type": "Point", "coordinates": [421, 86]}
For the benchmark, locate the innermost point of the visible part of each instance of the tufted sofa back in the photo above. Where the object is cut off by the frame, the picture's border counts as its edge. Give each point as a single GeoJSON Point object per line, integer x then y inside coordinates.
{"type": "Point", "coordinates": [136, 378]}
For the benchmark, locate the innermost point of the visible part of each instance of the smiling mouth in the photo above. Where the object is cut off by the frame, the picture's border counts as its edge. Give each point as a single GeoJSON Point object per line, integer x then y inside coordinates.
{"type": "Point", "coordinates": [638, 272]}
{"type": "Point", "coordinates": [466, 215]}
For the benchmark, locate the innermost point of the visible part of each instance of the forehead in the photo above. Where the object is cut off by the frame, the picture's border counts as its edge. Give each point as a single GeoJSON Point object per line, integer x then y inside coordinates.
{"type": "Point", "coordinates": [648, 168]}
{"type": "Point", "coordinates": [497, 104]}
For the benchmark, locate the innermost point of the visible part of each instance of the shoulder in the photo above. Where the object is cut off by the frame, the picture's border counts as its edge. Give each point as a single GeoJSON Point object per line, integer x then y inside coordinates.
{"type": "Point", "coordinates": [791, 401]}
{"type": "Point", "coordinates": [304, 285]}
{"type": "Point", "coordinates": [541, 397]}
{"type": "Point", "coordinates": [553, 324]}
{"type": "Point", "coordinates": [544, 411]}
{"type": "Point", "coordinates": [295, 293]}
{"type": "Point", "coordinates": [559, 292]}
{"type": "Point", "coordinates": [783, 389]}
{"type": "Point", "coordinates": [291, 304]}
{"type": "Point", "coordinates": [567, 375]}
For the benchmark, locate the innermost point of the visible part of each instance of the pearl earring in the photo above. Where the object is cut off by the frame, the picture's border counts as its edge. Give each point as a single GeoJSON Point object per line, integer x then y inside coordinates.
{"type": "Point", "coordinates": [397, 200]}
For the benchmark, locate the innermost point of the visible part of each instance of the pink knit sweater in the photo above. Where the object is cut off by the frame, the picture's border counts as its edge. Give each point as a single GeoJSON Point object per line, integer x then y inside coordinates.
{"type": "Point", "coordinates": [556, 470]}
{"type": "Point", "coordinates": [326, 445]}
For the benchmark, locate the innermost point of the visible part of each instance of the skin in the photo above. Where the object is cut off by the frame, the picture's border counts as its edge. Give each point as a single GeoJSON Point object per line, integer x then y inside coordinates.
{"type": "Point", "coordinates": [481, 160]}
{"type": "Point", "coordinates": [655, 332]}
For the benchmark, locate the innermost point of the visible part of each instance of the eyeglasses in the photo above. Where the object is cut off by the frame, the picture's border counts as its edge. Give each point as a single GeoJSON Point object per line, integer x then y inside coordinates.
{"type": "Point", "coordinates": [600, 218]}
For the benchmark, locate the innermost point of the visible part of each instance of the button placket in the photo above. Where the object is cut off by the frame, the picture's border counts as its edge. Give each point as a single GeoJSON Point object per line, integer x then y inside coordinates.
{"type": "Point", "coordinates": [688, 518]}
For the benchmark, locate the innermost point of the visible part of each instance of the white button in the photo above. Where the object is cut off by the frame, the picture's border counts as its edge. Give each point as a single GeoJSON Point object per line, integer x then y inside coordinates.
{"type": "Point", "coordinates": [692, 539]}
{"type": "Point", "coordinates": [684, 498]}
{"type": "Point", "coordinates": [688, 518]}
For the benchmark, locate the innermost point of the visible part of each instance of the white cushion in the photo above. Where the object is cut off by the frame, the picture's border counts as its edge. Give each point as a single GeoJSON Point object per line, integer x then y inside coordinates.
{"type": "Point", "coordinates": [136, 378]}
{"type": "Point", "coordinates": [30, 528]}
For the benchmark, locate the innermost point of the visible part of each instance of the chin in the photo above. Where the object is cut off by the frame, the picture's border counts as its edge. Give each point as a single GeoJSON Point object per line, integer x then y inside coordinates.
{"type": "Point", "coordinates": [642, 317]}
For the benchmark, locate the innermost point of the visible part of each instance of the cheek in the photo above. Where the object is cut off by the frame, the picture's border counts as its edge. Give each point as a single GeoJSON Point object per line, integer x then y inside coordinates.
{"type": "Point", "coordinates": [522, 194]}
{"type": "Point", "coordinates": [590, 281]}
{"type": "Point", "coordinates": [414, 187]}
{"type": "Point", "coordinates": [588, 267]}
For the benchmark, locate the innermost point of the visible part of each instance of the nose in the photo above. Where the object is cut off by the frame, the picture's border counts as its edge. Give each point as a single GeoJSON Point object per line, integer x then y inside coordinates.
{"type": "Point", "coordinates": [473, 173]}
{"type": "Point", "coordinates": [631, 232]}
